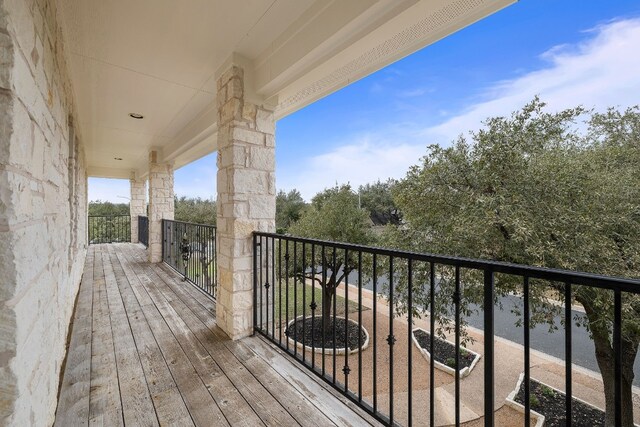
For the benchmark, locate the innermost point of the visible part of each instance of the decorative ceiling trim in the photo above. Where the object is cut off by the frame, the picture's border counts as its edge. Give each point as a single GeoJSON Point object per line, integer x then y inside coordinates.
{"type": "Point", "coordinates": [389, 49]}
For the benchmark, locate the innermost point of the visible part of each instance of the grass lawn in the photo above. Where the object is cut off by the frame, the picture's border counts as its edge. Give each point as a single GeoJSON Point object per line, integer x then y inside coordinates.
{"type": "Point", "coordinates": [296, 305]}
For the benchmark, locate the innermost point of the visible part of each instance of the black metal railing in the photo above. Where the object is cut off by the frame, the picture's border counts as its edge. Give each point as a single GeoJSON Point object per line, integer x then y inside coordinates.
{"type": "Point", "coordinates": [109, 229]}
{"type": "Point", "coordinates": [143, 230]}
{"type": "Point", "coordinates": [190, 249]}
{"type": "Point", "coordinates": [306, 291]}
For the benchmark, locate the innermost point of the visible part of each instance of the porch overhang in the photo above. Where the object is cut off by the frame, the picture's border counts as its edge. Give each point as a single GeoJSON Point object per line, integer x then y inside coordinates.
{"type": "Point", "coordinates": [163, 62]}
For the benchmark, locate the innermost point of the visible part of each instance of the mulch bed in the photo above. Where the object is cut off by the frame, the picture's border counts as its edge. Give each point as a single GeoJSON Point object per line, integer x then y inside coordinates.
{"type": "Point", "coordinates": [551, 404]}
{"type": "Point", "coordinates": [443, 351]}
{"type": "Point", "coordinates": [310, 333]}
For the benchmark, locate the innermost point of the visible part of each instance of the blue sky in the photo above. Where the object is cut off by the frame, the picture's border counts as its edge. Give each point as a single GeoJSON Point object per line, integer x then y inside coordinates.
{"type": "Point", "coordinates": [569, 52]}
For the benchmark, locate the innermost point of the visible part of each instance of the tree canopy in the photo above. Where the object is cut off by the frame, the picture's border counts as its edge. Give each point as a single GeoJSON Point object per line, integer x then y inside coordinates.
{"type": "Point", "coordinates": [376, 198]}
{"type": "Point", "coordinates": [332, 215]}
{"type": "Point", "coordinates": [195, 209]}
{"type": "Point", "coordinates": [548, 189]}
{"type": "Point", "coordinates": [100, 208]}
{"type": "Point", "coordinates": [289, 207]}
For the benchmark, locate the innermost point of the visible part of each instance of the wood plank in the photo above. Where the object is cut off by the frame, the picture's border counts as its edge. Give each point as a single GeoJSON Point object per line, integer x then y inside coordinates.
{"type": "Point", "coordinates": [169, 405]}
{"type": "Point", "coordinates": [200, 304]}
{"type": "Point", "coordinates": [201, 405]}
{"type": "Point", "coordinates": [296, 403]}
{"type": "Point", "coordinates": [137, 406]}
{"type": "Point", "coordinates": [232, 403]}
{"type": "Point", "coordinates": [198, 296]}
{"type": "Point", "coordinates": [261, 400]}
{"type": "Point", "coordinates": [344, 415]}
{"type": "Point", "coordinates": [104, 405]}
{"type": "Point", "coordinates": [73, 404]}
{"type": "Point", "coordinates": [334, 406]}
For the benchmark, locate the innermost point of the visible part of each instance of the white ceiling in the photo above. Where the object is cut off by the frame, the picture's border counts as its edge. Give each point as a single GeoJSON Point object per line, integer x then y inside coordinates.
{"type": "Point", "coordinates": [160, 58]}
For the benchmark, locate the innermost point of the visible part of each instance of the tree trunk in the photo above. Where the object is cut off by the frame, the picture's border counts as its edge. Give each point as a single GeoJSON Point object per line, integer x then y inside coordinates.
{"type": "Point", "coordinates": [327, 302]}
{"type": "Point", "coordinates": [606, 362]}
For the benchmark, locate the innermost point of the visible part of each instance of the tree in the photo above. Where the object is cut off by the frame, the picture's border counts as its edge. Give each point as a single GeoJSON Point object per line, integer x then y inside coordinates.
{"type": "Point", "coordinates": [100, 208]}
{"type": "Point", "coordinates": [333, 215]}
{"type": "Point", "coordinates": [289, 207]}
{"type": "Point", "coordinates": [376, 198]}
{"type": "Point", "coordinates": [535, 189]}
{"type": "Point", "coordinates": [195, 209]}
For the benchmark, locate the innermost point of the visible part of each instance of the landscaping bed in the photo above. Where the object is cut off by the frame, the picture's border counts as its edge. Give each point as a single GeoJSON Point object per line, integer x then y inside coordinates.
{"type": "Point", "coordinates": [550, 404]}
{"type": "Point", "coordinates": [444, 356]}
{"type": "Point", "coordinates": [308, 333]}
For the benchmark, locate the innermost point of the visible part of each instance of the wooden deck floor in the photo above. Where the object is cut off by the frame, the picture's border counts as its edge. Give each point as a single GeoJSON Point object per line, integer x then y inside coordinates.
{"type": "Point", "coordinates": [145, 350]}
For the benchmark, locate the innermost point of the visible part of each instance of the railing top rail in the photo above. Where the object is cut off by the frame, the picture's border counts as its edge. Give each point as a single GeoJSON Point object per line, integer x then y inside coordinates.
{"type": "Point", "coordinates": [108, 216]}
{"type": "Point", "coordinates": [551, 274]}
{"type": "Point", "coordinates": [189, 223]}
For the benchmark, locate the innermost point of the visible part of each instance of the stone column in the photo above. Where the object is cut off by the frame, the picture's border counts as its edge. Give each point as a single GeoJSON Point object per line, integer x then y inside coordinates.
{"type": "Point", "coordinates": [160, 203]}
{"type": "Point", "coordinates": [137, 205]}
{"type": "Point", "coordinates": [246, 197]}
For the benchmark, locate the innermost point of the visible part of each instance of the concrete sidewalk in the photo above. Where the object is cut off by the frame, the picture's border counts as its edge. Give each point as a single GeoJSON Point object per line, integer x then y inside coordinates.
{"type": "Point", "coordinates": [509, 364]}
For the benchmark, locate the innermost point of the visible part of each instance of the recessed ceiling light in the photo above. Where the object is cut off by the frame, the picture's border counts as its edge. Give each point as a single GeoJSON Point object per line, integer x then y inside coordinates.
{"type": "Point", "coordinates": [117, 158]}
{"type": "Point", "coordinates": [136, 116]}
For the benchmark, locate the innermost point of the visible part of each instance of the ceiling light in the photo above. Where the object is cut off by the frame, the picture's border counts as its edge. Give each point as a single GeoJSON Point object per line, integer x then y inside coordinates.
{"type": "Point", "coordinates": [137, 116]}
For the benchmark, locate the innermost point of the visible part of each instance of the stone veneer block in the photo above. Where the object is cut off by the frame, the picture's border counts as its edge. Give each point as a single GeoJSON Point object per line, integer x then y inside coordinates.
{"type": "Point", "coordinates": [137, 205]}
{"type": "Point", "coordinates": [246, 197]}
{"type": "Point", "coordinates": [43, 211]}
{"type": "Point", "coordinates": [161, 203]}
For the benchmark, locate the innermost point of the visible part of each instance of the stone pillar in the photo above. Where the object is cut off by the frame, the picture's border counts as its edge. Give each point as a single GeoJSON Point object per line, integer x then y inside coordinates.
{"type": "Point", "coordinates": [160, 203]}
{"type": "Point", "coordinates": [246, 197]}
{"type": "Point", "coordinates": [137, 205]}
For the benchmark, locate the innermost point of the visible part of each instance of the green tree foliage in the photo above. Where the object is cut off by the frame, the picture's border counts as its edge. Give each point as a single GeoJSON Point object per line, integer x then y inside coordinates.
{"type": "Point", "coordinates": [195, 209]}
{"type": "Point", "coordinates": [100, 208]}
{"type": "Point", "coordinates": [289, 207]}
{"type": "Point", "coordinates": [107, 226]}
{"type": "Point", "coordinates": [376, 198]}
{"type": "Point", "coordinates": [546, 189]}
{"type": "Point", "coordinates": [333, 215]}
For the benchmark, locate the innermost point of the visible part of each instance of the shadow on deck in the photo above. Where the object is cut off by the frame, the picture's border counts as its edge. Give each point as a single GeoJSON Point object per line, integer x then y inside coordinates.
{"type": "Point", "coordinates": [145, 350]}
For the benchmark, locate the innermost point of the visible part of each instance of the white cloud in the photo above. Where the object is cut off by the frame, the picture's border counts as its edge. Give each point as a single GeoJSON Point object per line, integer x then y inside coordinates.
{"type": "Point", "coordinates": [364, 161]}
{"type": "Point", "coordinates": [602, 71]}
{"type": "Point", "coordinates": [109, 190]}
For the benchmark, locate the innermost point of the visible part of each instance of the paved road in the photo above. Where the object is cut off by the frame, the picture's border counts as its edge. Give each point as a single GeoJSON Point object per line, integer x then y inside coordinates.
{"type": "Point", "coordinates": [583, 349]}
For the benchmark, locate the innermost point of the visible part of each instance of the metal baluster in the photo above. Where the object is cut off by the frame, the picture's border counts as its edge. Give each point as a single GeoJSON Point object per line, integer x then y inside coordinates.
{"type": "Point", "coordinates": [489, 372]}
{"type": "Point", "coordinates": [456, 302]}
{"type": "Point", "coordinates": [359, 326]}
{"type": "Point", "coordinates": [335, 298]}
{"type": "Point", "coordinates": [567, 349]}
{"type": "Point", "coordinates": [375, 335]}
{"type": "Point", "coordinates": [346, 368]}
{"type": "Point", "coordinates": [295, 296]}
{"type": "Point", "coordinates": [527, 355]}
{"type": "Point", "coordinates": [391, 340]}
{"type": "Point", "coordinates": [409, 339]}
{"type": "Point", "coordinates": [617, 351]}
{"type": "Point", "coordinates": [273, 286]}
{"type": "Point", "coordinates": [304, 300]}
{"type": "Point", "coordinates": [432, 324]}
{"type": "Point", "coordinates": [313, 306]}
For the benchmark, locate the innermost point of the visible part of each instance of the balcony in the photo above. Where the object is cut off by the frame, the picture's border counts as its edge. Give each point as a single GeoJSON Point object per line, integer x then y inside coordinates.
{"type": "Point", "coordinates": [145, 350]}
{"type": "Point", "coordinates": [134, 91]}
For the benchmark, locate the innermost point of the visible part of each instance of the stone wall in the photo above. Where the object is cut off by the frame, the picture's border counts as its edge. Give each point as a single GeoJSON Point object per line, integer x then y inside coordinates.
{"type": "Point", "coordinates": [43, 193]}
{"type": "Point", "coordinates": [161, 203]}
{"type": "Point", "coordinates": [137, 205]}
{"type": "Point", "coordinates": [246, 197]}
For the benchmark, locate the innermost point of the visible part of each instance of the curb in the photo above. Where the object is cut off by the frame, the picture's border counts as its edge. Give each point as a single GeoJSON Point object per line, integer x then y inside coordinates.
{"type": "Point", "coordinates": [328, 351]}
{"type": "Point", "coordinates": [441, 366]}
